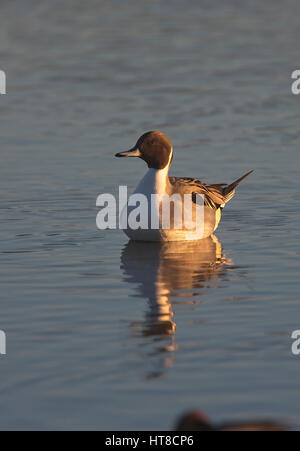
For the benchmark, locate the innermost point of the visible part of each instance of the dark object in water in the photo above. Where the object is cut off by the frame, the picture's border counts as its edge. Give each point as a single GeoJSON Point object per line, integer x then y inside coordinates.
{"type": "Point", "coordinates": [197, 421]}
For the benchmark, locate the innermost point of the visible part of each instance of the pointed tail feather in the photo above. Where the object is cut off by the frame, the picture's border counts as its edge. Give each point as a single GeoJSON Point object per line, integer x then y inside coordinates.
{"type": "Point", "coordinates": [228, 191]}
{"type": "Point", "coordinates": [233, 185]}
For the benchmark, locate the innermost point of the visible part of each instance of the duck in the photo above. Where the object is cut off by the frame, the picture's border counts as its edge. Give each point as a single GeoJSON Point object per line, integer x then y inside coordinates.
{"type": "Point", "coordinates": [195, 208]}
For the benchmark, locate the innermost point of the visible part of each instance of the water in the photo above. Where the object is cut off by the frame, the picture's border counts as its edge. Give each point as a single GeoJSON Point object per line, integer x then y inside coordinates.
{"type": "Point", "coordinates": [102, 334]}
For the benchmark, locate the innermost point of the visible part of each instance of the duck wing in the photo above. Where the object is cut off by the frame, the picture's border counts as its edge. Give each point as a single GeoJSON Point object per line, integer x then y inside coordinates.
{"type": "Point", "coordinates": [215, 196]}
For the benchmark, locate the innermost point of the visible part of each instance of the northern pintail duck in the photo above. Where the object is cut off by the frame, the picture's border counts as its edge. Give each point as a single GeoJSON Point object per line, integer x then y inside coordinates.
{"type": "Point", "coordinates": [198, 421]}
{"type": "Point", "coordinates": [156, 150]}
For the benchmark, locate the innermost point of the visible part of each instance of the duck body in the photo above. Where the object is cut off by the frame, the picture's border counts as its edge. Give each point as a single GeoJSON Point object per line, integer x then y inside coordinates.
{"type": "Point", "coordinates": [157, 183]}
{"type": "Point", "coordinates": [194, 208]}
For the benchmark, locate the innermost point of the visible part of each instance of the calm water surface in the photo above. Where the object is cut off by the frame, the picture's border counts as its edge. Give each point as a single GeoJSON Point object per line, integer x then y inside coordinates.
{"type": "Point", "coordinates": [106, 334]}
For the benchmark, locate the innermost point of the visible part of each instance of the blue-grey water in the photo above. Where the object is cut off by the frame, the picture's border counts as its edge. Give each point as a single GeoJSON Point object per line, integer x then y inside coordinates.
{"type": "Point", "coordinates": [106, 334]}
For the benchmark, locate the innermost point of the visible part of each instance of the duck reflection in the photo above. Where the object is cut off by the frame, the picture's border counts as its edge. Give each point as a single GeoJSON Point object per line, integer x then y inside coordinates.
{"type": "Point", "coordinates": [165, 272]}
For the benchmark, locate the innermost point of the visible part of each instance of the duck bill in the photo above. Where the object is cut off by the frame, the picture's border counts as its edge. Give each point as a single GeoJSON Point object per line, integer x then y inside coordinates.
{"type": "Point", "coordinates": [135, 152]}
